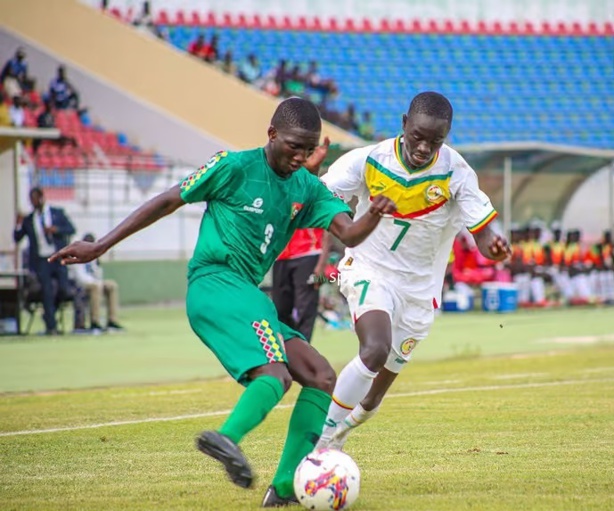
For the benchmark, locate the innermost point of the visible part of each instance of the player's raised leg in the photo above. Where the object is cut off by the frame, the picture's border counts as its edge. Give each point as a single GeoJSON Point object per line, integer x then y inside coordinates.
{"type": "Point", "coordinates": [373, 329]}
{"type": "Point", "coordinates": [364, 410]}
{"type": "Point", "coordinates": [222, 307]}
{"type": "Point", "coordinates": [317, 377]}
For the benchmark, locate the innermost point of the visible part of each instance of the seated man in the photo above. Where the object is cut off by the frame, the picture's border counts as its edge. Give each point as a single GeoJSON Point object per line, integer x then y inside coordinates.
{"type": "Point", "coordinates": [90, 277]}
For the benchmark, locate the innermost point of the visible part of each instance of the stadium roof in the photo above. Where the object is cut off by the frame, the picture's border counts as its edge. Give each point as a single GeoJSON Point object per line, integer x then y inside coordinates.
{"type": "Point", "coordinates": [542, 176]}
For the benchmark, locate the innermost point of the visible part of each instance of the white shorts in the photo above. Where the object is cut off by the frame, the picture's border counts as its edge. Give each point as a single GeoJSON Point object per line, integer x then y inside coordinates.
{"type": "Point", "coordinates": [368, 290]}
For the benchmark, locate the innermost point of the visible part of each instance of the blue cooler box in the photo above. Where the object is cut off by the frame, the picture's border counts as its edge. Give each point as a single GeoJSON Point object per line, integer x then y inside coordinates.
{"type": "Point", "coordinates": [457, 302]}
{"type": "Point", "coordinates": [499, 297]}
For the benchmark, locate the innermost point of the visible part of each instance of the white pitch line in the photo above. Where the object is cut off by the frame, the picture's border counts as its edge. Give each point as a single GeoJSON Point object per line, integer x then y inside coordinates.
{"type": "Point", "coordinates": [280, 407]}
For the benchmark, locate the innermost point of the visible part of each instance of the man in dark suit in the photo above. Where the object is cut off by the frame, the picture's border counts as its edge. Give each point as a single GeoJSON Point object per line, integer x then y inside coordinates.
{"type": "Point", "coordinates": [48, 230]}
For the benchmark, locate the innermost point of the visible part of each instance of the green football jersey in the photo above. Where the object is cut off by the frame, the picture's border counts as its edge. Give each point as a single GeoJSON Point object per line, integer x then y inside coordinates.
{"type": "Point", "coordinates": [252, 212]}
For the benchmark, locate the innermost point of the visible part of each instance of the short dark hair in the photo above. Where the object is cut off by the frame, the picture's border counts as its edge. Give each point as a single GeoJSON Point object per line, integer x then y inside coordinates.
{"type": "Point", "coordinates": [297, 113]}
{"type": "Point", "coordinates": [432, 104]}
{"type": "Point", "coordinates": [38, 190]}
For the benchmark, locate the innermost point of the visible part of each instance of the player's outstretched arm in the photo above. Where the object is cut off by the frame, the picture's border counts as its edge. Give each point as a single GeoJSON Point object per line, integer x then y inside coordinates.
{"type": "Point", "coordinates": [353, 233]}
{"type": "Point", "coordinates": [492, 245]}
{"type": "Point", "coordinates": [151, 211]}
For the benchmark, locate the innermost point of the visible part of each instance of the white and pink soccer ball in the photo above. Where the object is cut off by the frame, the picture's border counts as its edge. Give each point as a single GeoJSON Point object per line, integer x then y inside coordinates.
{"type": "Point", "coordinates": [327, 479]}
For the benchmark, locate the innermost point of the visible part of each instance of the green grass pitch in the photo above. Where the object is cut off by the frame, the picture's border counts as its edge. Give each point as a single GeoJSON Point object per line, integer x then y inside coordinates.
{"type": "Point", "coordinates": [496, 412]}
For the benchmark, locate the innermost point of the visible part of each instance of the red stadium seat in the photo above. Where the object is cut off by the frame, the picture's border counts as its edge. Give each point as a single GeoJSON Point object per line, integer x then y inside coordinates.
{"type": "Point", "coordinates": [593, 29]}
{"type": "Point", "coordinates": [529, 28]}
{"type": "Point", "coordinates": [349, 25]}
{"type": "Point", "coordinates": [301, 23]}
{"type": "Point", "coordinates": [384, 25]}
{"type": "Point", "coordinates": [576, 28]}
{"type": "Point", "coordinates": [43, 161]}
{"type": "Point", "coordinates": [546, 28]}
{"type": "Point", "coordinates": [433, 26]}
{"type": "Point", "coordinates": [195, 20]}
{"type": "Point", "coordinates": [227, 20]}
{"type": "Point", "coordinates": [115, 12]}
{"type": "Point", "coordinates": [257, 21]}
{"type": "Point", "coordinates": [482, 27]}
{"type": "Point", "coordinates": [180, 18]}
{"type": "Point", "coordinates": [513, 28]}
{"type": "Point", "coordinates": [497, 28]}
{"type": "Point", "coordinates": [162, 18]}
{"type": "Point", "coordinates": [448, 27]}
{"type": "Point", "coordinates": [211, 21]}
{"type": "Point", "coordinates": [286, 23]}
{"type": "Point", "coordinates": [242, 21]}
{"type": "Point", "coordinates": [608, 28]}
{"type": "Point", "coordinates": [465, 27]}
{"type": "Point", "coordinates": [29, 118]}
{"type": "Point", "coordinates": [416, 26]}
{"type": "Point", "coordinates": [366, 25]}
{"type": "Point", "coordinates": [271, 22]}
{"type": "Point", "coordinates": [399, 26]}
{"type": "Point", "coordinates": [561, 28]}
{"type": "Point", "coordinates": [332, 24]}
{"type": "Point", "coordinates": [316, 23]}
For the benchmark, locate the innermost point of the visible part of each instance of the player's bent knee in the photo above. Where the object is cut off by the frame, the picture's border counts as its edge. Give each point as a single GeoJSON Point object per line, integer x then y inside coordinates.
{"type": "Point", "coordinates": [277, 370]}
{"type": "Point", "coordinates": [374, 355]}
{"type": "Point", "coordinates": [323, 378]}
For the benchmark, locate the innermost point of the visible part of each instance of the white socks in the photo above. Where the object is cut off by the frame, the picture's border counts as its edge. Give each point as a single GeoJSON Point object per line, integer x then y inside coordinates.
{"type": "Point", "coordinates": [353, 384]}
{"type": "Point", "coordinates": [356, 417]}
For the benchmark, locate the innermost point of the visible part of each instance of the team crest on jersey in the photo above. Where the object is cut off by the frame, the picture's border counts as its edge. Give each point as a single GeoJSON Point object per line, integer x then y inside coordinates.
{"type": "Point", "coordinates": [407, 346]}
{"type": "Point", "coordinates": [296, 208]}
{"type": "Point", "coordinates": [434, 193]}
{"type": "Point", "coordinates": [190, 181]}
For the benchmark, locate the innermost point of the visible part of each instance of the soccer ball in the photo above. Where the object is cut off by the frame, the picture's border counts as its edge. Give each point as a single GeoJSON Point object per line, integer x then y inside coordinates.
{"type": "Point", "coordinates": [327, 479]}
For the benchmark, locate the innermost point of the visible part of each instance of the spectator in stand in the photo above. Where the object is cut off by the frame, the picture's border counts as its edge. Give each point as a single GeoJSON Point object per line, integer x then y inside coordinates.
{"type": "Point", "coordinates": [211, 52]}
{"type": "Point", "coordinates": [365, 127]}
{"type": "Point", "coordinates": [48, 230]}
{"type": "Point", "coordinates": [62, 94]}
{"type": "Point", "coordinates": [44, 120]}
{"type": "Point", "coordinates": [198, 47]}
{"type": "Point", "coordinates": [227, 64]}
{"type": "Point", "coordinates": [14, 76]}
{"type": "Point", "coordinates": [250, 70]}
{"type": "Point", "coordinates": [295, 83]}
{"type": "Point", "coordinates": [348, 119]}
{"type": "Point", "coordinates": [5, 115]}
{"type": "Point", "coordinates": [575, 262]}
{"type": "Point", "coordinates": [144, 21]}
{"type": "Point", "coordinates": [90, 277]}
{"type": "Point", "coordinates": [313, 80]}
{"type": "Point", "coordinates": [17, 112]}
{"type": "Point", "coordinates": [281, 76]}
{"type": "Point", "coordinates": [598, 261]}
{"type": "Point", "coordinates": [555, 250]}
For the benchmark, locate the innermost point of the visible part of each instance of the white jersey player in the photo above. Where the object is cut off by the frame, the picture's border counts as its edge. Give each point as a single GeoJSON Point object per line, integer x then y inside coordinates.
{"type": "Point", "coordinates": [393, 280]}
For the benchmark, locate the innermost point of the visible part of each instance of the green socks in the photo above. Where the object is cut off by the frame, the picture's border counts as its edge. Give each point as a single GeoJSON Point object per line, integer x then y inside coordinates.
{"type": "Point", "coordinates": [258, 399]}
{"type": "Point", "coordinates": [303, 433]}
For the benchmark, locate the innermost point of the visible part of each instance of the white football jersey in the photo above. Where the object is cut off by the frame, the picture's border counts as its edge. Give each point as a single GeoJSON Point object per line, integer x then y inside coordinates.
{"type": "Point", "coordinates": [433, 204]}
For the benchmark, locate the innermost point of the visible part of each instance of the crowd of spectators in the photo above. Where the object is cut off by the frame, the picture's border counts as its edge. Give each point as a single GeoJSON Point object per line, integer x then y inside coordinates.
{"type": "Point", "coordinates": [284, 80]}
{"type": "Point", "coordinates": [548, 266]}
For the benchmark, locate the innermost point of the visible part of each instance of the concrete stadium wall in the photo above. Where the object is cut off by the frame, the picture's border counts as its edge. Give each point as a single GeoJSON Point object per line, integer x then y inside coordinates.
{"type": "Point", "coordinates": [220, 110]}
{"type": "Point", "coordinates": [145, 282]}
{"type": "Point", "coordinates": [535, 11]}
{"type": "Point", "coordinates": [113, 108]}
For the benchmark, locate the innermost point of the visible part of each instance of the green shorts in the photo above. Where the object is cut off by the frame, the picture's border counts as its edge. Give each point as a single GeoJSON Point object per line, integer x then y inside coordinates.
{"type": "Point", "coordinates": [237, 321]}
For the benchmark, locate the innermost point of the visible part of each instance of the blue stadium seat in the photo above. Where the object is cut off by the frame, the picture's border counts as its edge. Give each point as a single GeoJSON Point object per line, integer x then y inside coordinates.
{"type": "Point", "coordinates": [505, 87]}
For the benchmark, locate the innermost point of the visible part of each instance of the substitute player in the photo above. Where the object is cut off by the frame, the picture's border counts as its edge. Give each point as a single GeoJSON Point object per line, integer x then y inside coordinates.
{"type": "Point", "coordinates": [392, 280]}
{"type": "Point", "coordinates": [255, 200]}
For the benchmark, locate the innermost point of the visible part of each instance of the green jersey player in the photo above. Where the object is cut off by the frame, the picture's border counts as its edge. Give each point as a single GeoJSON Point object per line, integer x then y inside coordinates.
{"type": "Point", "coordinates": [255, 200]}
